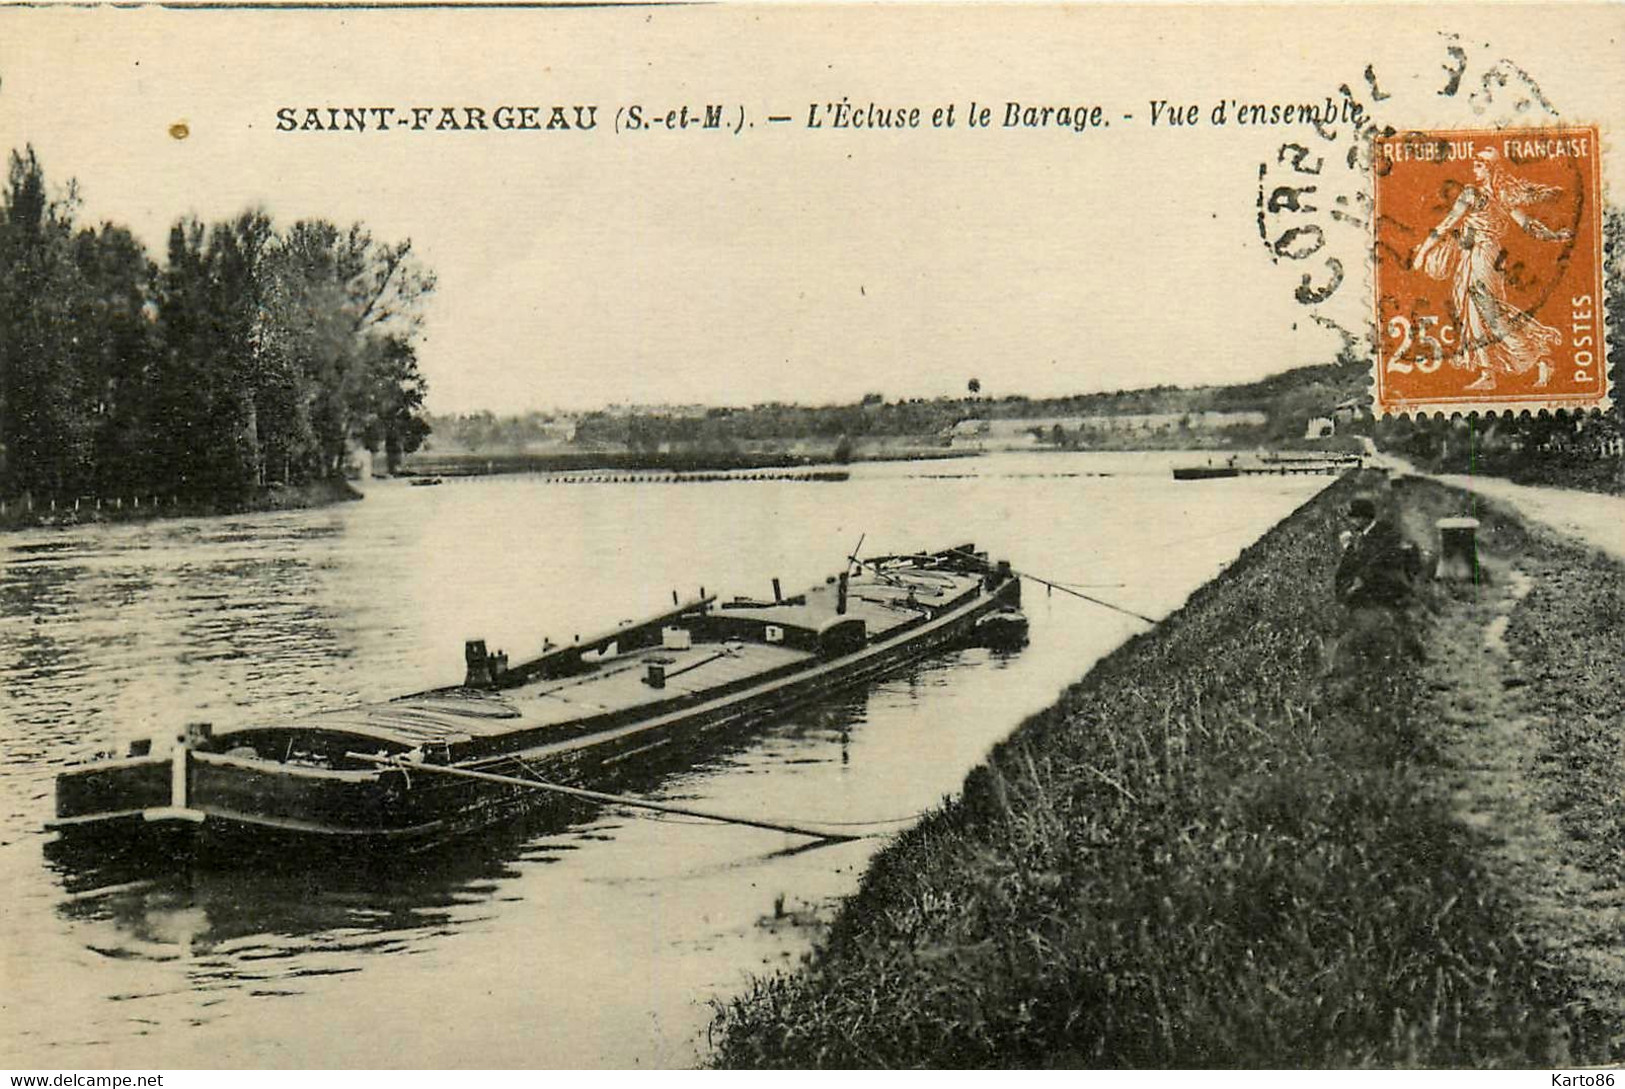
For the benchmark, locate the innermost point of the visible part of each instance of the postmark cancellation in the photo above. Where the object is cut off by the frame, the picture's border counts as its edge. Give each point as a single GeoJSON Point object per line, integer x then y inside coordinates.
{"type": "Point", "coordinates": [1488, 271]}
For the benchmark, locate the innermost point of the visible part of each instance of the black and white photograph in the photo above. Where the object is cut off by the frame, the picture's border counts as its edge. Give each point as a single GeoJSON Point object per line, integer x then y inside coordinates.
{"type": "Point", "coordinates": [884, 536]}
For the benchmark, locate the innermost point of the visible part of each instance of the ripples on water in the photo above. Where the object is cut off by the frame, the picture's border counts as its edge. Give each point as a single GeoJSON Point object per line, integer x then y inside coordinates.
{"type": "Point", "coordinates": [592, 944]}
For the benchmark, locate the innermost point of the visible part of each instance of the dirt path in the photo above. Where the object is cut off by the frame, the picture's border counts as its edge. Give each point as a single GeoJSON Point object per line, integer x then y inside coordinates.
{"type": "Point", "coordinates": [1497, 739]}
{"type": "Point", "coordinates": [1531, 729]}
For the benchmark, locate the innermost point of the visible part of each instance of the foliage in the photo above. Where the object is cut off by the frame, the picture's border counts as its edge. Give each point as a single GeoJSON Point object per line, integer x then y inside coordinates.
{"type": "Point", "coordinates": [252, 356]}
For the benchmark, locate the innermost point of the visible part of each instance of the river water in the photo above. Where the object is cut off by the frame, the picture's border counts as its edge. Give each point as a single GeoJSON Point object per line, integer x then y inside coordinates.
{"type": "Point", "coordinates": [598, 944]}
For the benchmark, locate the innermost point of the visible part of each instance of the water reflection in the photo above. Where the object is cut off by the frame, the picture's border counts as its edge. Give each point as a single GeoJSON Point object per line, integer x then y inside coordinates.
{"type": "Point", "coordinates": [605, 932]}
{"type": "Point", "coordinates": [300, 907]}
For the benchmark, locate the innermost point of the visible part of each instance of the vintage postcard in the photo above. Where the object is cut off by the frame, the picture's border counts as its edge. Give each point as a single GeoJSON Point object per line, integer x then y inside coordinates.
{"type": "Point", "coordinates": [798, 536]}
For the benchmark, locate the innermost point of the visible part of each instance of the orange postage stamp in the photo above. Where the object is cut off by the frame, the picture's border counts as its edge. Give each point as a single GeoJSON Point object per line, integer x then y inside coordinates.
{"type": "Point", "coordinates": [1488, 271]}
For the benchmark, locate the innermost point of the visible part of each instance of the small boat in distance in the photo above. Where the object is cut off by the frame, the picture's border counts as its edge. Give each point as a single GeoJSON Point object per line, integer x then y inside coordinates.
{"type": "Point", "coordinates": [1205, 472]}
{"type": "Point", "coordinates": [426, 481]}
{"type": "Point", "coordinates": [1276, 464]}
{"type": "Point", "coordinates": [414, 772]}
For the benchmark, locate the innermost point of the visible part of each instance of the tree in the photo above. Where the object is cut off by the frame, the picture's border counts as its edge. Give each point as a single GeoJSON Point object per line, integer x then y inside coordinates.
{"type": "Point", "coordinates": [205, 429]}
{"type": "Point", "coordinates": [119, 279]}
{"type": "Point", "coordinates": [975, 386]}
{"type": "Point", "coordinates": [385, 284]}
{"type": "Point", "coordinates": [311, 328]}
{"type": "Point", "coordinates": [392, 392]}
{"type": "Point", "coordinates": [1613, 231]}
{"type": "Point", "coordinates": [254, 355]}
{"type": "Point", "coordinates": [340, 365]}
{"type": "Point", "coordinates": [48, 340]}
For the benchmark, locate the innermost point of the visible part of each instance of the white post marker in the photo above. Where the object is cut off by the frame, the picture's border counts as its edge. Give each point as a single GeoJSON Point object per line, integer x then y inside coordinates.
{"type": "Point", "coordinates": [1458, 549]}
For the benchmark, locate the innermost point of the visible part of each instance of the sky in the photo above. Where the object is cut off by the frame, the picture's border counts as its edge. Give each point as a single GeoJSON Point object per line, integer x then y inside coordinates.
{"type": "Point", "coordinates": [784, 262]}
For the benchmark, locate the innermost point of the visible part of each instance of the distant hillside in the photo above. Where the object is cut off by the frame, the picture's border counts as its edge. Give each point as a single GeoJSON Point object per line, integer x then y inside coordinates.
{"type": "Point", "coordinates": [1280, 407]}
{"type": "Point", "coordinates": [1320, 386]}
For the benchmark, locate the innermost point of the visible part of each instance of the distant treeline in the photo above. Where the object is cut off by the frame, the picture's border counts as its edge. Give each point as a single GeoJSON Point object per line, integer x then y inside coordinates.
{"type": "Point", "coordinates": [253, 356]}
{"type": "Point", "coordinates": [1567, 448]}
{"type": "Point", "coordinates": [1289, 400]}
{"type": "Point", "coordinates": [428, 463]}
{"type": "Point", "coordinates": [712, 429]}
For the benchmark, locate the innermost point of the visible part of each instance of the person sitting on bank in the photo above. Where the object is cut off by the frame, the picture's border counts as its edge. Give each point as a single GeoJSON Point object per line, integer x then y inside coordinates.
{"type": "Point", "coordinates": [1378, 565]}
{"type": "Point", "coordinates": [1373, 583]}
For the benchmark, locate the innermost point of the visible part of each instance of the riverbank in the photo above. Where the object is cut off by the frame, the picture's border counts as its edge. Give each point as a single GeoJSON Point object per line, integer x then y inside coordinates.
{"type": "Point", "coordinates": [1251, 838]}
{"type": "Point", "coordinates": [16, 515]}
{"type": "Point", "coordinates": [457, 462]}
{"type": "Point", "coordinates": [264, 617]}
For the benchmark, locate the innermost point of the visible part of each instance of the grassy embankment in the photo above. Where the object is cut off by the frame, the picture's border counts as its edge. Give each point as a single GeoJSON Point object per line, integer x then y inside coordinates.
{"type": "Point", "coordinates": [1251, 838]}
{"type": "Point", "coordinates": [318, 494]}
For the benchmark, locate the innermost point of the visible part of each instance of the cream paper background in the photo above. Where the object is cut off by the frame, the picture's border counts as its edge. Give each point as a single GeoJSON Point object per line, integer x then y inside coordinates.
{"type": "Point", "coordinates": [785, 263]}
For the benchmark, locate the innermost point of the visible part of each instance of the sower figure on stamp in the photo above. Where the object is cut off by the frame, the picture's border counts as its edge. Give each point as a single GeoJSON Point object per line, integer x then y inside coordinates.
{"type": "Point", "coordinates": [1374, 584]}
{"type": "Point", "coordinates": [1468, 248]}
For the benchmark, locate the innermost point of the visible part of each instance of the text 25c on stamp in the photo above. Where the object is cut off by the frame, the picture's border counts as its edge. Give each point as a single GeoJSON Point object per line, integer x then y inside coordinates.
{"type": "Point", "coordinates": [1488, 270]}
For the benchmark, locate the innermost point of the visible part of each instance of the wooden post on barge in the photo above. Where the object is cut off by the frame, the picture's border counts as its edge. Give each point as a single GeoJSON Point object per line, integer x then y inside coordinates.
{"type": "Point", "coordinates": [479, 664]}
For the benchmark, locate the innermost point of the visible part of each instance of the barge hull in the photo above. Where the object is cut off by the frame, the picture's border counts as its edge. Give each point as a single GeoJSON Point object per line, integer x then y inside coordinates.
{"type": "Point", "coordinates": [218, 808]}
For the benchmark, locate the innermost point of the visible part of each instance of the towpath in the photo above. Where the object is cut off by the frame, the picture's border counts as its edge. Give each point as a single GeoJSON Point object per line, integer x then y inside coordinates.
{"type": "Point", "coordinates": [1592, 517]}
{"type": "Point", "coordinates": [1509, 715]}
{"type": "Point", "coordinates": [1595, 518]}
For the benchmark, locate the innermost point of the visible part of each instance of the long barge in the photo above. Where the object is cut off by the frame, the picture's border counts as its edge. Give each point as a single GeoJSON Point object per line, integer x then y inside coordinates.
{"type": "Point", "coordinates": [360, 780]}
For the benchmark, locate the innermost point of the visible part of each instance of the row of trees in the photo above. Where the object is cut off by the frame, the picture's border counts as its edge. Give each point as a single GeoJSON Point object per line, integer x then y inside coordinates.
{"type": "Point", "coordinates": [723, 427]}
{"type": "Point", "coordinates": [1289, 401]}
{"type": "Point", "coordinates": [252, 356]}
